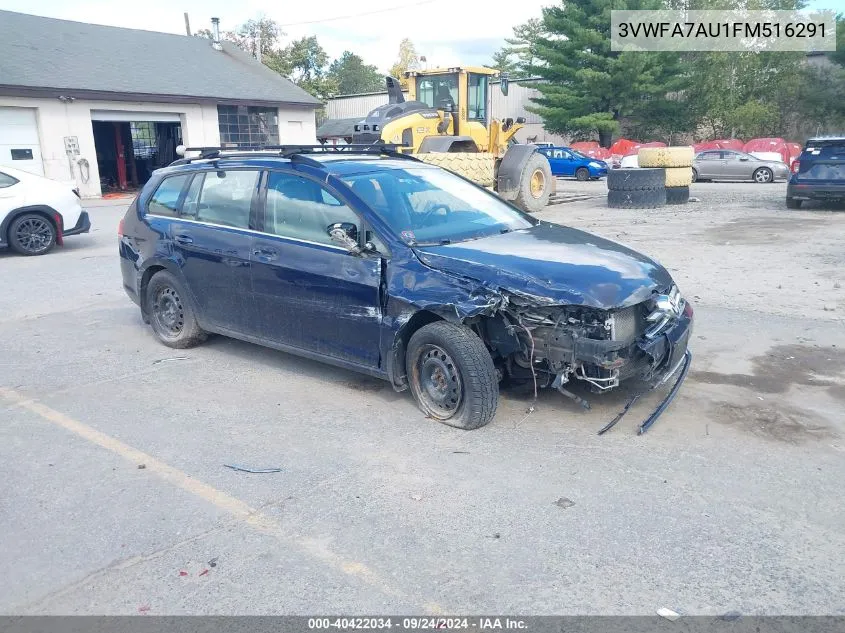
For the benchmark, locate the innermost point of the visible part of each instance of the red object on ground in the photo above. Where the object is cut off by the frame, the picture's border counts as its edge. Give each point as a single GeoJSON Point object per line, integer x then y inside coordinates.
{"type": "Point", "coordinates": [203, 572]}
{"type": "Point", "coordinates": [183, 573]}
{"type": "Point", "coordinates": [730, 143]}
{"type": "Point", "coordinates": [652, 144]}
{"type": "Point", "coordinates": [600, 153]}
{"type": "Point", "coordinates": [768, 145]}
{"type": "Point", "coordinates": [624, 146]}
{"type": "Point", "coordinates": [703, 147]}
{"type": "Point", "coordinates": [585, 146]}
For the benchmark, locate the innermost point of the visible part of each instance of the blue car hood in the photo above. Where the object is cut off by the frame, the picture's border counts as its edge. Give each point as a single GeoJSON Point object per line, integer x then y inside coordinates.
{"type": "Point", "coordinates": [557, 263]}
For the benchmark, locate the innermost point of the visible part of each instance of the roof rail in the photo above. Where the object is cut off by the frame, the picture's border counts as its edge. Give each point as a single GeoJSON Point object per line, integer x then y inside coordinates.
{"type": "Point", "coordinates": [288, 151]}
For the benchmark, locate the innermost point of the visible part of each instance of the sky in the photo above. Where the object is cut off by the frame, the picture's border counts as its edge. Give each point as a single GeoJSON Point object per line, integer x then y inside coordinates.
{"type": "Point", "coordinates": [446, 32]}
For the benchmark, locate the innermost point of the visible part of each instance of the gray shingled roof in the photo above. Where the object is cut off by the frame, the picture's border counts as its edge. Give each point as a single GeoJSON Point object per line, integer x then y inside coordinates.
{"type": "Point", "coordinates": [39, 53]}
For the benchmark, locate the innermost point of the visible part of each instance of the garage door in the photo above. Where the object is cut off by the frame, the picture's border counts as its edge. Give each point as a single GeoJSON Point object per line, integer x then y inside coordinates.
{"type": "Point", "coordinates": [19, 145]}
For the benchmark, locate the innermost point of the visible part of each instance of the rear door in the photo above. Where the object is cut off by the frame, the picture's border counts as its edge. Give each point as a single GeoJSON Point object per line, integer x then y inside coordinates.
{"type": "Point", "coordinates": [213, 238]}
{"type": "Point", "coordinates": [309, 292]}
{"type": "Point", "coordinates": [709, 164]}
{"type": "Point", "coordinates": [736, 166]}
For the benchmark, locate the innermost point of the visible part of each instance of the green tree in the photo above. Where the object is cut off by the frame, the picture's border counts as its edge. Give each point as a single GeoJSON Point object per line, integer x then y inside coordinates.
{"type": "Point", "coordinates": [407, 60]}
{"type": "Point", "coordinates": [304, 62]}
{"type": "Point", "coordinates": [352, 75]}
{"type": "Point", "coordinates": [589, 89]}
{"type": "Point", "coordinates": [502, 61]}
{"type": "Point", "coordinates": [838, 56]}
{"type": "Point", "coordinates": [523, 45]}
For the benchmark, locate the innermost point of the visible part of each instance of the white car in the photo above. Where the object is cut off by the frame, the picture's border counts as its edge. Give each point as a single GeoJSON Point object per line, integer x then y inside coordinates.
{"type": "Point", "coordinates": [37, 213]}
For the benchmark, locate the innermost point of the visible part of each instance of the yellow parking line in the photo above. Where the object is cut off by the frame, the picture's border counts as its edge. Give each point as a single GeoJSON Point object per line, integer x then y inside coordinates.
{"type": "Point", "coordinates": [218, 498]}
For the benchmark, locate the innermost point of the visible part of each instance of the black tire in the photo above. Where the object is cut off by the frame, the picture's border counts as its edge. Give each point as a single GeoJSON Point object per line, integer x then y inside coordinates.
{"type": "Point", "coordinates": [763, 175]}
{"type": "Point", "coordinates": [635, 179]}
{"type": "Point", "coordinates": [582, 173]}
{"type": "Point", "coordinates": [530, 196]}
{"type": "Point", "coordinates": [32, 234]}
{"type": "Point", "coordinates": [694, 175]}
{"type": "Point", "coordinates": [171, 313]}
{"type": "Point", "coordinates": [637, 199]}
{"type": "Point", "coordinates": [792, 203]}
{"type": "Point", "coordinates": [452, 376]}
{"type": "Point", "coordinates": [677, 195]}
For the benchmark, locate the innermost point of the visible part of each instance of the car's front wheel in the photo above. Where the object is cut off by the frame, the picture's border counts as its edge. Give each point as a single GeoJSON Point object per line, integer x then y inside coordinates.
{"type": "Point", "coordinates": [582, 173]}
{"type": "Point", "coordinates": [32, 234]}
{"type": "Point", "coordinates": [763, 175]}
{"type": "Point", "coordinates": [171, 314]}
{"type": "Point", "coordinates": [452, 376]}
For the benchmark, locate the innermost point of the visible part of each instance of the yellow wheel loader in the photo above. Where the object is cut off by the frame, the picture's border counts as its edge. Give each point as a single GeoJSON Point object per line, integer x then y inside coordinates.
{"type": "Point", "coordinates": [446, 121]}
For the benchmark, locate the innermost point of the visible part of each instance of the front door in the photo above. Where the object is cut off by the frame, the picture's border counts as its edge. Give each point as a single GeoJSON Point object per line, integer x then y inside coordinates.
{"type": "Point", "coordinates": [310, 292]}
{"type": "Point", "coordinates": [213, 236]}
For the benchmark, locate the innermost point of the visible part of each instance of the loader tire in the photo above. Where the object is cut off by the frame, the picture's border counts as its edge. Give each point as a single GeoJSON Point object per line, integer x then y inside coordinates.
{"type": "Point", "coordinates": [678, 176]}
{"type": "Point", "coordinates": [478, 167]}
{"type": "Point", "coordinates": [635, 179]}
{"type": "Point", "coordinates": [536, 184]}
{"type": "Point", "coordinates": [665, 156]}
{"type": "Point", "coordinates": [677, 195]}
{"type": "Point", "coordinates": [637, 198]}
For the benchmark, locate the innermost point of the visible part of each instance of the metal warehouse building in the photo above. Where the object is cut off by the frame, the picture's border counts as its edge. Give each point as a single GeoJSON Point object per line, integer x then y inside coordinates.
{"type": "Point", "coordinates": [512, 105]}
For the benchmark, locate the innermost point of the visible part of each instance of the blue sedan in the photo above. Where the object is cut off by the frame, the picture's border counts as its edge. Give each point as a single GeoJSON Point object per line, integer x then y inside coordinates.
{"type": "Point", "coordinates": [565, 161]}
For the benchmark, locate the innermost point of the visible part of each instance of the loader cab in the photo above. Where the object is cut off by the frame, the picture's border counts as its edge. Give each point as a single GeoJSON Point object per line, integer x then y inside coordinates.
{"type": "Point", "coordinates": [462, 91]}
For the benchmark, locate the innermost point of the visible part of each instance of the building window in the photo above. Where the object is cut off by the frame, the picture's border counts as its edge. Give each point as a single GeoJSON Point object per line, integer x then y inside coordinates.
{"type": "Point", "coordinates": [248, 125]}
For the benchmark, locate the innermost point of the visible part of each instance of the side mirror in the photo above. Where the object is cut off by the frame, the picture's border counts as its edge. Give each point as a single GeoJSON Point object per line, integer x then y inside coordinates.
{"type": "Point", "coordinates": [345, 234]}
{"type": "Point", "coordinates": [504, 83]}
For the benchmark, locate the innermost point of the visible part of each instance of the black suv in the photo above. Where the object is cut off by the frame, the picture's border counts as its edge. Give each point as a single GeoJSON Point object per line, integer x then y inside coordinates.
{"type": "Point", "coordinates": [374, 261]}
{"type": "Point", "coordinates": [819, 172]}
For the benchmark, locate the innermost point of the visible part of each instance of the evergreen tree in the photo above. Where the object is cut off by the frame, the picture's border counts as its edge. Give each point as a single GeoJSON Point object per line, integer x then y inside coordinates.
{"type": "Point", "coordinates": [590, 89]}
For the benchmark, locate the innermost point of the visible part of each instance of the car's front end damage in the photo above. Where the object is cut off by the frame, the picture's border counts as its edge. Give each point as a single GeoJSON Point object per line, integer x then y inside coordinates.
{"type": "Point", "coordinates": [555, 345]}
{"type": "Point", "coordinates": [564, 307]}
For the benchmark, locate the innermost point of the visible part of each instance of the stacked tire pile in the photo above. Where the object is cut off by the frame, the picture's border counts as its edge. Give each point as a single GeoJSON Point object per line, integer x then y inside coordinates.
{"type": "Point", "coordinates": [677, 164]}
{"type": "Point", "coordinates": [636, 188]}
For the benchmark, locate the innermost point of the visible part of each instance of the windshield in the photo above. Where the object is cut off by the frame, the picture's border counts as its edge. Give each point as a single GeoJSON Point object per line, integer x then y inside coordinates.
{"type": "Point", "coordinates": [433, 206]}
{"type": "Point", "coordinates": [578, 154]}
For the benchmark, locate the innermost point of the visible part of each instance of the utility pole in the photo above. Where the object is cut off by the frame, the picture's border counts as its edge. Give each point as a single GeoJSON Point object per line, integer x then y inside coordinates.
{"type": "Point", "coordinates": [187, 25]}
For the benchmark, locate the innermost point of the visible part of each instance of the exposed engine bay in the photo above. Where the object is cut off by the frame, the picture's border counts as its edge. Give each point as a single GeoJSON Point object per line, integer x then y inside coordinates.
{"type": "Point", "coordinates": [555, 344]}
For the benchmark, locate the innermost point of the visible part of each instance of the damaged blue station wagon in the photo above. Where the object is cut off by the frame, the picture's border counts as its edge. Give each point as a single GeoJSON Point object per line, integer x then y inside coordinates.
{"type": "Point", "coordinates": [371, 260]}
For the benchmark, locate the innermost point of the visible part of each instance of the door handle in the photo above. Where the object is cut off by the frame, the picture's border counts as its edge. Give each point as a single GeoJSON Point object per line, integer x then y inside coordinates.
{"type": "Point", "coordinates": [184, 239]}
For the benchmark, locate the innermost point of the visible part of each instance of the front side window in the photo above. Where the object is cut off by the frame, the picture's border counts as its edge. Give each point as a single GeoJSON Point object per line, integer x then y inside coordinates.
{"type": "Point", "coordinates": [6, 180]}
{"type": "Point", "coordinates": [226, 197]}
{"type": "Point", "coordinates": [165, 200]}
{"type": "Point", "coordinates": [477, 97]}
{"type": "Point", "coordinates": [248, 125]}
{"type": "Point", "coordinates": [427, 205]}
{"type": "Point", "coordinates": [301, 209]}
{"type": "Point", "coordinates": [438, 91]}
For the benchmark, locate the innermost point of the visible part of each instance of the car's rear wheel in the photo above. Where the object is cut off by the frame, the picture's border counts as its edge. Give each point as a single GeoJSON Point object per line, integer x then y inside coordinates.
{"type": "Point", "coordinates": [792, 203]}
{"type": "Point", "coordinates": [171, 314]}
{"type": "Point", "coordinates": [582, 173]}
{"type": "Point", "coordinates": [32, 234]}
{"type": "Point", "coordinates": [694, 175]}
{"type": "Point", "coordinates": [452, 376]}
{"type": "Point", "coordinates": [763, 175]}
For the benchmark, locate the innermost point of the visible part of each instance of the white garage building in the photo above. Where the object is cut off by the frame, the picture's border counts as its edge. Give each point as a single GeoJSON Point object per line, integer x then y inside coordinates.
{"type": "Point", "coordinates": [104, 106]}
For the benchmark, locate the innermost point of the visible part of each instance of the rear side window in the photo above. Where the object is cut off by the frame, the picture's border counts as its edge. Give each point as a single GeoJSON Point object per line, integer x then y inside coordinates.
{"type": "Point", "coordinates": [6, 180]}
{"type": "Point", "coordinates": [165, 200]}
{"type": "Point", "coordinates": [226, 197]}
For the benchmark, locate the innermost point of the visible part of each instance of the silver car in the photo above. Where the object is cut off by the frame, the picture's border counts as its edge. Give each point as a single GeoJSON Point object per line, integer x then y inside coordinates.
{"type": "Point", "coordinates": [726, 164]}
